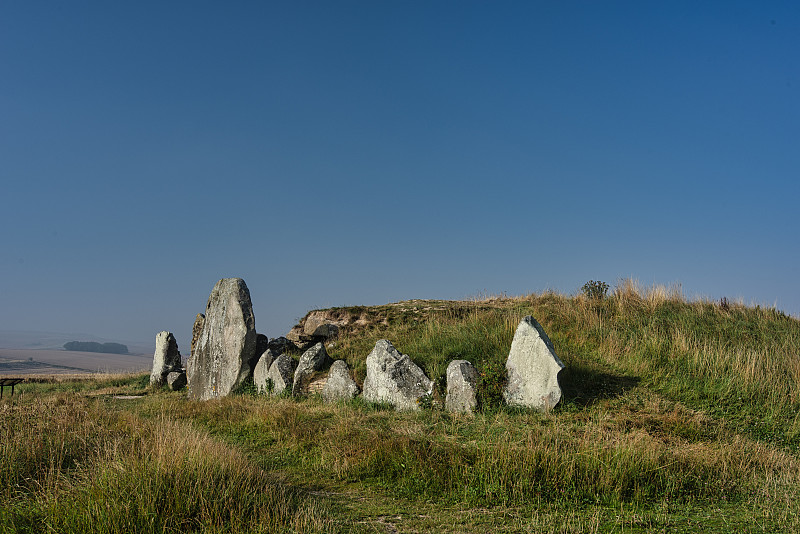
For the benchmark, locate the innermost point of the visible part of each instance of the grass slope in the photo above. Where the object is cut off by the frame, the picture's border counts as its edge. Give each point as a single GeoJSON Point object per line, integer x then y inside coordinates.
{"type": "Point", "coordinates": [676, 417]}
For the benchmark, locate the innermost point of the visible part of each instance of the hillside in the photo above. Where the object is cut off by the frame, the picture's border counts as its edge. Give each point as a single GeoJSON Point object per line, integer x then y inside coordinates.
{"type": "Point", "coordinates": [677, 416]}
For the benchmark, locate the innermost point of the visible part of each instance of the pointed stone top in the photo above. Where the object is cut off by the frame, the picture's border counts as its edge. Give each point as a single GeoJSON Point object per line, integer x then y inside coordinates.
{"type": "Point", "coordinates": [532, 368]}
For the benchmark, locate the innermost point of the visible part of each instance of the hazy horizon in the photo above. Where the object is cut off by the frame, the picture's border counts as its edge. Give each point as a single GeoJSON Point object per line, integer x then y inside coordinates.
{"type": "Point", "coordinates": [360, 153]}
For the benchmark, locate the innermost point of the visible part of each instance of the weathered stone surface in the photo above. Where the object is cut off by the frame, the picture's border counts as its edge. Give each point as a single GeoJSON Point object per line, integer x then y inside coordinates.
{"type": "Point", "coordinates": [462, 380]}
{"type": "Point", "coordinates": [176, 380]}
{"type": "Point", "coordinates": [262, 370]}
{"type": "Point", "coordinates": [262, 344]}
{"type": "Point", "coordinates": [279, 345]}
{"type": "Point", "coordinates": [299, 340]}
{"type": "Point", "coordinates": [226, 344]}
{"type": "Point", "coordinates": [197, 329]}
{"type": "Point", "coordinates": [166, 358]}
{"type": "Point", "coordinates": [314, 359]}
{"type": "Point", "coordinates": [340, 385]}
{"type": "Point", "coordinates": [280, 374]}
{"type": "Point", "coordinates": [318, 325]}
{"type": "Point", "coordinates": [532, 368]}
{"type": "Point", "coordinates": [392, 377]}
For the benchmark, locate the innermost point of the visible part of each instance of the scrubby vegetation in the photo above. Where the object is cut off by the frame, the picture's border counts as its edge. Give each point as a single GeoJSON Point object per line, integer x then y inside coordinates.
{"type": "Point", "coordinates": [677, 416]}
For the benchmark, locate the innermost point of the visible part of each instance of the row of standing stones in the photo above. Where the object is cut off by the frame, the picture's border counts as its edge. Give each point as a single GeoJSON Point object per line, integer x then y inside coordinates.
{"type": "Point", "coordinates": [226, 351]}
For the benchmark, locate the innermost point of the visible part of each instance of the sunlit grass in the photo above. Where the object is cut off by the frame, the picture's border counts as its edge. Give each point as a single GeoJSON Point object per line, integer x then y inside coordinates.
{"type": "Point", "coordinates": [677, 415]}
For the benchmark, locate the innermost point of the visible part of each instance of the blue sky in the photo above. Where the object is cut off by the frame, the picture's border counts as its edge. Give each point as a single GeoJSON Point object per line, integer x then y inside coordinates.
{"type": "Point", "coordinates": [338, 153]}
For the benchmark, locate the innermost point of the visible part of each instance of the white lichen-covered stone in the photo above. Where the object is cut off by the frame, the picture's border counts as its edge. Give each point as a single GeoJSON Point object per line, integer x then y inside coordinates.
{"type": "Point", "coordinates": [532, 369]}
{"type": "Point", "coordinates": [340, 385]}
{"type": "Point", "coordinates": [313, 360]}
{"type": "Point", "coordinates": [262, 370]}
{"type": "Point", "coordinates": [280, 375]}
{"type": "Point", "coordinates": [166, 358]}
{"type": "Point", "coordinates": [393, 378]}
{"type": "Point", "coordinates": [462, 381]}
{"type": "Point", "coordinates": [226, 344]}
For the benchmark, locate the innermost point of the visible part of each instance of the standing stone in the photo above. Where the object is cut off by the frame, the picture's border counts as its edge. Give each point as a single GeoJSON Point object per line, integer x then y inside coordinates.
{"type": "Point", "coordinates": [532, 368]}
{"type": "Point", "coordinates": [280, 374]}
{"type": "Point", "coordinates": [226, 344]}
{"type": "Point", "coordinates": [262, 369]}
{"type": "Point", "coordinates": [166, 358]}
{"type": "Point", "coordinates": [392, 377]}
{"type": "Point", "coordinates": [197, 329]}
{"type": "Point", "coordinates": [340, 385]}
{"type": "Point", "coordinates": [462, 380]}
{"type": "Point", "coordinates": [176, 380]}
{"type": "Point", "coordinates": [314, 359]}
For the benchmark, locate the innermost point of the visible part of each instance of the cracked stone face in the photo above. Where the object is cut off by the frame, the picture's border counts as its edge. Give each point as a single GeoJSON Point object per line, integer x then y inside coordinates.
{"type": "Point", "coordinates": [226, 344]}
{"type": "Point", "coordinates": [532, 368]}
{"type": "Point", "coordinates": [392, 377]}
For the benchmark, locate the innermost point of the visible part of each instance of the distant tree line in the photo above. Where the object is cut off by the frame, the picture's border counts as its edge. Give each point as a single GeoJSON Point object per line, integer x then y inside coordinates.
{"type": "Point", "coordinates": [93, 346]}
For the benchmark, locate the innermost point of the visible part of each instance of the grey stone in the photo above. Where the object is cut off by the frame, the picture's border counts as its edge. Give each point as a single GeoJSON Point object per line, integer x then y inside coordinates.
{"type": "Point", "coordinates": [532, 368]}
{"type": "Point", "coordinates": [197, 329]}
{"type": "Point", "coordinates": [392, 377]}
{"type": "Point", "coordinates": [340, 385]}
{"type": "Point", "coordinates": [262, 344]}
{"type": "Point", "coordinates": [319, 327]}
{"type": "Point", "coordinates": [262, 370]}
{"type": "Point", "coordinates": [462, 380]}
{"type": "Point", "coordinates": [279, 345]}
{"type": "Point", "coordinates": [176, 380]}
{"type": "Point", "coordinates": [166, 358]}
{"type": "Point", "coordinates": [280, 374]}
{"type": "Point", "coordinates": [314, 359]}
{"type": "Point", "coordinates": [226, 344]}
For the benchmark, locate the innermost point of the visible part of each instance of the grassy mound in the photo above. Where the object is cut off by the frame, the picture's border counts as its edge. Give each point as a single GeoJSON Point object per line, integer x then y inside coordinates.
{"type": "Point", "coordinates": [676, 416]}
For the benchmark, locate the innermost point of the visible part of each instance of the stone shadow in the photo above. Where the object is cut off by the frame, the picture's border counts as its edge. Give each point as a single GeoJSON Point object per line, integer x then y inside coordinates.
{"type": "Point", "coordinates": [584, 386]}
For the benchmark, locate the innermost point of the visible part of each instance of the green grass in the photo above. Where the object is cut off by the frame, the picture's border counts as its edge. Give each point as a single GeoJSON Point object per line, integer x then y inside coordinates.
{"type": "Point", "coordinates": [676, 416]}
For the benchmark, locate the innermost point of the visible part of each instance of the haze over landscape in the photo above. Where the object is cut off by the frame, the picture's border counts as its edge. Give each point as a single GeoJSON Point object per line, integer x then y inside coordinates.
{"type": "Point", "coordinates": [341, 153]}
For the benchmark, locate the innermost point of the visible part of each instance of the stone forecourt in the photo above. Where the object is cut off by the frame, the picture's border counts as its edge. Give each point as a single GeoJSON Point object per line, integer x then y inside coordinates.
{"type": "Point", "coordinates": [226, 351]}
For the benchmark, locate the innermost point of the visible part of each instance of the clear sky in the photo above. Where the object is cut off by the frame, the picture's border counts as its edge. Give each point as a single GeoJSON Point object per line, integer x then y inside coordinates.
{"type": "Point", "coordinates": [339, 153]}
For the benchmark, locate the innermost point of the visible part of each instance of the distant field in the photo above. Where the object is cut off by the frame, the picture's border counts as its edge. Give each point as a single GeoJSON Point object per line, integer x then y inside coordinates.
{"type": "Point", "coordinates": [21, 362]}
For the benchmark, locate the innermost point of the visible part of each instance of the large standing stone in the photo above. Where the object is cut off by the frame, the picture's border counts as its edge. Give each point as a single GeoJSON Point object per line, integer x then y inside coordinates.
{"type": "Point", "coordinates": [262, 369]}
{"type": "Point", "coordinates": [166, 358]}
{"type": "Point", "coordinates": [462, 380]}
{"type": "Point", "coordinates": [280, 374]}
{"type": "Point", "coordinates": [392, 377]}
{"type": "Point", "coordinates": [314, 359]}
{"type": "Point", "coordinates": [227, 342]}
{"type": "Point", "coordinates": [532, 368]}
{"type": "Point", "coordinates": [340, 385]}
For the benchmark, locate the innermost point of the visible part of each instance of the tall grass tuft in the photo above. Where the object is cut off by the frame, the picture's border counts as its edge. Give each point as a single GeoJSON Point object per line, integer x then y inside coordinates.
{"type": "Point", "coordinates": [95, 471]}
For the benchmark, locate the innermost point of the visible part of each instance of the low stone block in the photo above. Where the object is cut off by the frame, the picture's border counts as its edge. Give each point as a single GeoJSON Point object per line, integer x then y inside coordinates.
{"type": "Point", "coordinates": [280, 374]}
{"type": "Point", "coordinates": [340, 385]}
{"type": "Point", "coordinates": [312, 360]}
{"type": "Point", "coordinates": [392, 377]}
{"type": "Point", "coordinates": [462, 382]}
{"type": "Point", "coordinates": [176, 380]}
